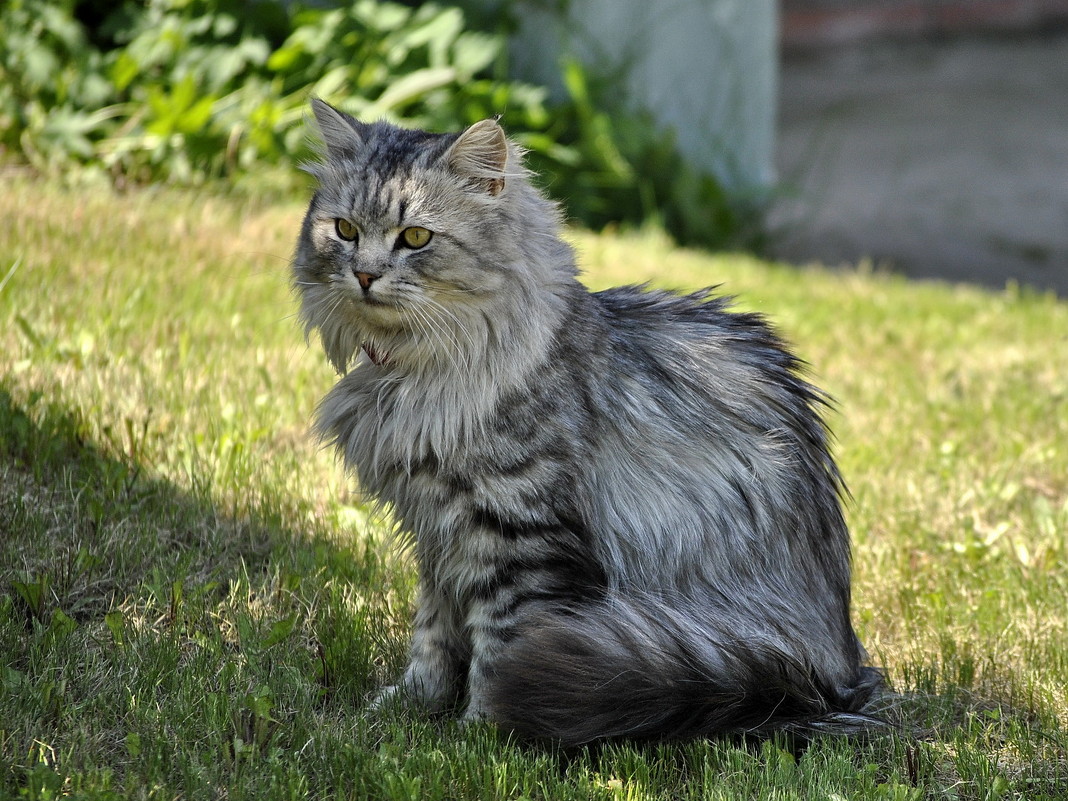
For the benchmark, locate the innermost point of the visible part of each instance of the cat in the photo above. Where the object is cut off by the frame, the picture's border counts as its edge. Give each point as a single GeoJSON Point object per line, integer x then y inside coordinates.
{"type": "Point", "coordinates": [625, 515]}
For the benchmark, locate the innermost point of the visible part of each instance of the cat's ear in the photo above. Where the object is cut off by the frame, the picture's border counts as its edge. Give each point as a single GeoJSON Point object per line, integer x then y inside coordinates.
{"type": "Point", "coordinates": [480, 155]}
{"type": "Point", "coordinates": [342, 134]}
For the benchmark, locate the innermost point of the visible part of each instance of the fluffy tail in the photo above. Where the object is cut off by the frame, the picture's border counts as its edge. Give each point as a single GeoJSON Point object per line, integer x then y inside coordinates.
{"type": "Point", "coordinates": [619, 669]}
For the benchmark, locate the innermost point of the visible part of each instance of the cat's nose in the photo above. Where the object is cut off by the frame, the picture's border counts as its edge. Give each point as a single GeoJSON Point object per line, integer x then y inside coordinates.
{"type": "Point", "coordinates": [366, 279]}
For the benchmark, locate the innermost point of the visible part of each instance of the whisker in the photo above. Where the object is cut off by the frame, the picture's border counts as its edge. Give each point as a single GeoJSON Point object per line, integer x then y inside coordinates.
{"type": "Point", "coordinates": [452, 316]}
{"type": "Point", "coordinates": [445, 337]}
{"type": "Point", "coordinates": [331, 311]}
{"type": "Point", "coordinates": [456, 290]}
{"type": "Point", "coordinates": [458, 328]}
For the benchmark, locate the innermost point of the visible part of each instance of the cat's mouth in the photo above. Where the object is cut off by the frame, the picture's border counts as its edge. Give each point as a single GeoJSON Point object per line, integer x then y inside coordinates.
{"type": "Point", "coordinates": [382, 317]}
{"type": "Point", "coordinates": [379, 307]}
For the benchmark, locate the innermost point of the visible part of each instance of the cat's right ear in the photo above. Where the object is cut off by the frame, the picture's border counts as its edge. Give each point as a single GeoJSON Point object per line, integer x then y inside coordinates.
{"type": "Point", "coordinates": [342, 134]}
{"type": "Point", "coordinates": [480, 155]}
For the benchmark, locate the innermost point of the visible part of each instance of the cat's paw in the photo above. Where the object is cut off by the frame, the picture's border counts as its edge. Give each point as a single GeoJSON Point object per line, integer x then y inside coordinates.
{"type": "Point", "coordinates": [390, 696]}
{"type": "Point", "coordinates": [407, 694]}
{"type": "Point", "coordinates": [476, 712]}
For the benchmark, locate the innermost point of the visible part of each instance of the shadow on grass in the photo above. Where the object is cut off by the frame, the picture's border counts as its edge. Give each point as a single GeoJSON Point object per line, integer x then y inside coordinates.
{"type": "Point", "coordinates": [90, 528]}
{"type": "Point", "coordinates": [115, 584]}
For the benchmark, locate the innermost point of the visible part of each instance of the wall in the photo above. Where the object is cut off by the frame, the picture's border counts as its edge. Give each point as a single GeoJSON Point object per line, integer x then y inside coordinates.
{"type": "Point", "coordinates": [808, 23]}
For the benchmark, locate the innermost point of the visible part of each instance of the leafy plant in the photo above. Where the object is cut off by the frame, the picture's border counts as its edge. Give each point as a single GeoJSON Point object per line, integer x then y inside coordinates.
{"type": "Point", "coordinates": [192, 90]}
{"type": "Point", "coordinates": [53, 92]}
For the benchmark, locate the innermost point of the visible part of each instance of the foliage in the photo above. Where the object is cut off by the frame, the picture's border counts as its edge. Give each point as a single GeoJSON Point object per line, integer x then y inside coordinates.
{"type": "Point", "coordinates": [190, 90]}
{"type": "Point", "coordinates": [194, 603]}
{"type": "Point", "coordinates": [194, 89]}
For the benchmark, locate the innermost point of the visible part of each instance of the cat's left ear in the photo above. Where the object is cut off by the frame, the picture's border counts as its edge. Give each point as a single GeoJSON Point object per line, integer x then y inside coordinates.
{"type": "Point", "coordinates": [480, 155]}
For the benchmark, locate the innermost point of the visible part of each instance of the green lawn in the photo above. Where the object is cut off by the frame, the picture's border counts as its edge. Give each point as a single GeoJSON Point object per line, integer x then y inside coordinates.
{"type": "Point", "coordinates": [194, 603]}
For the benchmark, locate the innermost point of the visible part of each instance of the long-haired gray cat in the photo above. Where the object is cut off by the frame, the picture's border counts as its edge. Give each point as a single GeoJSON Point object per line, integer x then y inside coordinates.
{"type": "Point", "coordinates": [625, 515]}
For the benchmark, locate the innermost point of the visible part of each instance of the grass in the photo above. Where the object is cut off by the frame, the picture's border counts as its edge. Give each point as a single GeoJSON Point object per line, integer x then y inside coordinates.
{"type": "Point", "coordinates": [194, 603]}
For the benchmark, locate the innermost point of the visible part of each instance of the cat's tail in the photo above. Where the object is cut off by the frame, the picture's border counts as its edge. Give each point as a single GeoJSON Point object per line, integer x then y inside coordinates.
{"type": "Point", "coordinates": [640, 670]}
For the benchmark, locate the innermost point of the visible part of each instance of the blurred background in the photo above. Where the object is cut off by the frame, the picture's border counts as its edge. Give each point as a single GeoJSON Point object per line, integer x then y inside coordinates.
{"type": "Point", "coordinates": [927, 137]}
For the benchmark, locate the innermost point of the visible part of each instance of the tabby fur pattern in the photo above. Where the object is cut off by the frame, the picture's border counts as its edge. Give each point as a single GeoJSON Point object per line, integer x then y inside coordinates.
{"type": "Point", "coordinates": [625, 515]}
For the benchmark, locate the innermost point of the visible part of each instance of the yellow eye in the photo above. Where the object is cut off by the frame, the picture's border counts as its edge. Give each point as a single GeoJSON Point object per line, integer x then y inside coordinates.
{"type": "Point", "coordinates": [346, 230]}
{"type": "Point", "coordinates": [416, 237]}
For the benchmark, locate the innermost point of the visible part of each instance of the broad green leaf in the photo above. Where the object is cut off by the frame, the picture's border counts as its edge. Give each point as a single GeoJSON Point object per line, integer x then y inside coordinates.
{"type": "Point", "coordinates": [412, 86]}
{"type": "Point", "coordinates": [116, 623]}
{"type": "Point", "coordinates": [280, 629]}
{"type": "Point", "coordinates": [473, 52]}
{"type": "Point", "coordinates": [61, 624]}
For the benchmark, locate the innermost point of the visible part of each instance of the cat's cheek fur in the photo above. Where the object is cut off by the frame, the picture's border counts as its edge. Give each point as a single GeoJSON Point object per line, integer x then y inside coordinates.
{"type": "Point", "coordinates": [625, 515]}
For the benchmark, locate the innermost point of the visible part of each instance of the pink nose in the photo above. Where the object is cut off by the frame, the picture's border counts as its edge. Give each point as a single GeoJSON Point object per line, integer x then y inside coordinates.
{"type": "Point", "coordinates": [366, 279]}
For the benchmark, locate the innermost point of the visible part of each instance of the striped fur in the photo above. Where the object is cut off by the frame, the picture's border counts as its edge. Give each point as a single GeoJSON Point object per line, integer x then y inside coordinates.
{"type": "Point", "coordinates": [624, 511]}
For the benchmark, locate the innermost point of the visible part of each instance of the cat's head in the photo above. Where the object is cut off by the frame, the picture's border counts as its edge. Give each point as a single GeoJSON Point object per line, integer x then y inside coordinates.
{"type": "Point", "coordinates": [419, 247]}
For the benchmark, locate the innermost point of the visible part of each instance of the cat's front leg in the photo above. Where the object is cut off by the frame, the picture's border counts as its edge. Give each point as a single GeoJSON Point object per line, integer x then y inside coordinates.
{"type": "Point", "coordinates": [534, 569]}
{"type": "Point", "coordinates": [490, 627]}
{"type": "Point", "coordinates": [438, 656]}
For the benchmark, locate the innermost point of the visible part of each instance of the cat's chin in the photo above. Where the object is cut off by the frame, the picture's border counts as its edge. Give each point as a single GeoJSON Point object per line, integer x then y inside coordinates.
{"type": "Point", "coordinates": [380, 316]}
{"type": "Point", "coordinates": [370, 301]}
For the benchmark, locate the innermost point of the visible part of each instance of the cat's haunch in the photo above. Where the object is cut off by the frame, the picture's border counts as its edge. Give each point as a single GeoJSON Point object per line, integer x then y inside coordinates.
{"type": "Point", "coordinates": [625, 514]}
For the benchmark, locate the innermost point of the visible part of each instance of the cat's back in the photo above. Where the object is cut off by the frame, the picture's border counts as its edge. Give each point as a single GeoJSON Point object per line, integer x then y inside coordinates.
{"type": "Point", "coordinates": [701, 324]}
{"type": "Point", "coordinates": [705, 435]}
{"type": "Point", "coordinates": [698, 359]}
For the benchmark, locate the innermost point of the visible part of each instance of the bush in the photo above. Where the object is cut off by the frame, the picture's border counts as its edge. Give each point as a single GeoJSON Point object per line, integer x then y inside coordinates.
{"type": "Point", "coordinates": [191, 89]}
{"type": "Point", "coordinates": [194, 90]}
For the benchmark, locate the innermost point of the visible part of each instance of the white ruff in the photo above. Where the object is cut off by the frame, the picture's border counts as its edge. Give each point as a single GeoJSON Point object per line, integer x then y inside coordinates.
{"type": "Point", "coordinates": [388, 417]}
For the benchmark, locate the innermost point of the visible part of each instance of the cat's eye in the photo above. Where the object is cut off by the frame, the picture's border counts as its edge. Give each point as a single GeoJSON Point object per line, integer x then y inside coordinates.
{"type": "Point", "coordinates": [415, 237]}
{"type": "Point", "coordinates": [346, 230]}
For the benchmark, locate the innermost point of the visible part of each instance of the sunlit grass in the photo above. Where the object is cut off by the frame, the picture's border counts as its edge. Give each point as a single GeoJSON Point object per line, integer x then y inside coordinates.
{"type": "Point", "coordinates": [194, 603]}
